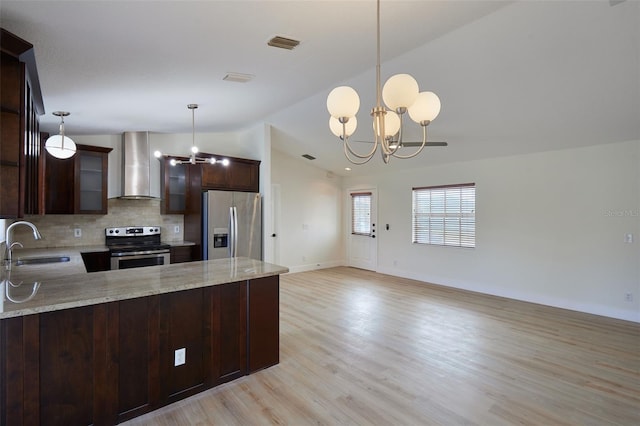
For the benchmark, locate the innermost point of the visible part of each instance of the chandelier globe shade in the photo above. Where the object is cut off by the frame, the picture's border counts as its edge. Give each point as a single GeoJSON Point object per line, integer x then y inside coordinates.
{"type": "Point", "coordinates": [60, 146]}
{"type": "Point", "coordinates": [426, 107]}
{"type": "Point", "coordinates": [337, 127]}
{"type": "Point", "coordinates": [400, 91]}
{"type": "Point", "coordinates": [343, 102]}
{"type": "Point", "coordinates": [391, 124]}
{"type": "Point", "coordinates": [401, 95]}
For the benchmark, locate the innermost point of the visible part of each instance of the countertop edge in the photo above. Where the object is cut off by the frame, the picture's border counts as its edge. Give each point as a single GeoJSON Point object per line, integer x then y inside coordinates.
{"type": "Point", "coordinates": [113, 286]}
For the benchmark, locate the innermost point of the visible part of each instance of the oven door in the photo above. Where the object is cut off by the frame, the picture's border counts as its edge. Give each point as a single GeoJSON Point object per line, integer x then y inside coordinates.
{"type": "Point", "coordinates": [139, 260]}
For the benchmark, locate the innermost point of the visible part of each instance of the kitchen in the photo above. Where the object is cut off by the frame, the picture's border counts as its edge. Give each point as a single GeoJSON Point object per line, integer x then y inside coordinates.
{"type": "Point", "coordinates": [217, 319]}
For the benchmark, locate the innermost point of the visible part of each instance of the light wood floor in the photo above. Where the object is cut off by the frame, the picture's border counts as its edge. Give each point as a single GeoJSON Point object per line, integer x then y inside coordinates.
{"type": "Point", "coordinates": [362, 348]}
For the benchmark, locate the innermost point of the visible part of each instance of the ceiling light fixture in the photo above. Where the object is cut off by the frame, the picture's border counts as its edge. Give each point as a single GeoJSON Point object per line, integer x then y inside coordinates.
{"type": "Point", "coordinates": [193, 158]}
{"type": "Point", "coordinates": [60, 146]}
{"type": "Point", "coordinates": [400, 94]}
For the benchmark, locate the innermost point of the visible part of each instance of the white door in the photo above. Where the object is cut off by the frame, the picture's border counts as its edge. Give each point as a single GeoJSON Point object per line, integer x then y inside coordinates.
{"type": "Point", "coordinates": [363, 243]}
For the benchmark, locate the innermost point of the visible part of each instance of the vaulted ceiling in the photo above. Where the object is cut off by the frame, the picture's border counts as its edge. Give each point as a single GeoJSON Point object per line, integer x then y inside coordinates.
{"type": "Point", "coordinates": [513, 77]}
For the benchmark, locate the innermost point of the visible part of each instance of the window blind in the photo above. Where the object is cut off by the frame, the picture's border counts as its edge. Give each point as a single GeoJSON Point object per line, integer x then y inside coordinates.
{"type": "Point", "coordinates": [445, 215]}
{"type": "Point", "coordinates": [361, 213]}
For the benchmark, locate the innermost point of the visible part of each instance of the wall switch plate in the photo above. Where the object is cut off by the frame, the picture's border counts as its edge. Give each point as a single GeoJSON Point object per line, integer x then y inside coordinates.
{"type": "Point", "coordinates": [180, 356]}
{"type": "Point", "coordinates": [628, 238]}
{"type": "Point", "coordinates": [176, 229]}
{"type": "Point", "coordinates": [77, 232]}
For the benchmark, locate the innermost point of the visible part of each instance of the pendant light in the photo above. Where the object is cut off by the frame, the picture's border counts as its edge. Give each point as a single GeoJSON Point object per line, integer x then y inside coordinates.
{"type": "Point", "coordinates": [60, 146]}
{"type": "Point", "coordinates": [193, 158]}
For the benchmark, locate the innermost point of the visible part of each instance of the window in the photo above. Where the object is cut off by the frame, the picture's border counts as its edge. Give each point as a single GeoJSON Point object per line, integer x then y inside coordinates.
{"type": "Point", "coordinates": [445, 215]}
{"type": "Point", "coordinates": [361, 213]}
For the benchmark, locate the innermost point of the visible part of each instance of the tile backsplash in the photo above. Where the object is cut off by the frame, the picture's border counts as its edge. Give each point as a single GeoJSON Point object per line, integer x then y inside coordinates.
{"type": "Point", "coordinates": [58, 230]}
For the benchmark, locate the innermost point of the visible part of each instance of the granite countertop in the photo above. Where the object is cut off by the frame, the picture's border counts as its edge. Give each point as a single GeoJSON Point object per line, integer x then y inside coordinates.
{"type": "Point", "coordinates": [57, 286]}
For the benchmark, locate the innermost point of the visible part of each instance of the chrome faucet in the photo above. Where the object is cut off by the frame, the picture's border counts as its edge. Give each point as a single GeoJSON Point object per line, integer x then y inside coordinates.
{"type": "Point", "coordinates": [10, 244]}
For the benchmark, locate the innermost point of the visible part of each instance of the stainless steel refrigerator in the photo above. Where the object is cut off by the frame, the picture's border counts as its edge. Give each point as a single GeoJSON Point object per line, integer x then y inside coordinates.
{"type": "Point", "coordinates": [232, 224]}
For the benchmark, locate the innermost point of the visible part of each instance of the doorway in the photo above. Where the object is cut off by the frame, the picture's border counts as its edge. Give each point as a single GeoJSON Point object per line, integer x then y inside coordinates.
{"type": "Point", "coordinates": [362, 230]}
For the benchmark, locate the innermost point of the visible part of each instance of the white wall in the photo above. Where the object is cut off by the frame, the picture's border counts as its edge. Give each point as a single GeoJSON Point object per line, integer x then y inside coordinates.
{"type": "Point", "coordinates": [310, 222]}
{"type": "Point", "coordinates": [550, 228]}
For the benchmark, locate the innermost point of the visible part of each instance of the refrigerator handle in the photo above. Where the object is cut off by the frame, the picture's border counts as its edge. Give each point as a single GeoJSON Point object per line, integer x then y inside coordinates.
{"type": "Point", "coordinates": [235, 232]}
{"type": "Point", "coordinates": [232, 235]}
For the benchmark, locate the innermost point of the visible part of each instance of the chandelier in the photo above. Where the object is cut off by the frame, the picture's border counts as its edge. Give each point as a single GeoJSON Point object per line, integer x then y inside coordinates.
{"type": "Point", "coordinates": [401, 95]}
{"type": "Point", "coordinates": [60, 146]}
{"type": "Point", "coordinates": [193, 158]}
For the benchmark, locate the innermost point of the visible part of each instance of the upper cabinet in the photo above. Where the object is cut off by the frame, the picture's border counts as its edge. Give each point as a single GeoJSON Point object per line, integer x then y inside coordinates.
{"type": "Point", "coordinates": [240, 175]}
{"type": "Point", "coordinates": [182, 184]}
{"type": "Point", "coordinates": [77, 185]}
{"type": "Point", "coordinates": [173, 185]}
{"type": "Point", "coordinates": [21, 176]}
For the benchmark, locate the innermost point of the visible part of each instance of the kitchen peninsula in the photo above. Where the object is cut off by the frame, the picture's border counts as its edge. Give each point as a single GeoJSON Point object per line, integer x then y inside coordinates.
{"type": "Point", "coordinates": [105, 347]}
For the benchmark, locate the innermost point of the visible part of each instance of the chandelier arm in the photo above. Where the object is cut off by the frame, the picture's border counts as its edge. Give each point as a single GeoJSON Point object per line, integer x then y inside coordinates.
{"type": "Point", "coordinates": [355, 154]}
{"type": "Point", "coordinates": [424, 141]}
{"type": "Point", "coordinates": [347, 150]}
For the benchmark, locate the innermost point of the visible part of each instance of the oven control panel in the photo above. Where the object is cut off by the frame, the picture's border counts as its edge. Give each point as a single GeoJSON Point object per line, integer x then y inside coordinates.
{"type": "Point", "coordinates": [132, 231]}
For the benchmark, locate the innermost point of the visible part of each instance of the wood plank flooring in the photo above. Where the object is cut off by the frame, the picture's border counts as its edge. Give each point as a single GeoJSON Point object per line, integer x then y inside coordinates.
{"type": "Point", "coordinates": [363, 348]}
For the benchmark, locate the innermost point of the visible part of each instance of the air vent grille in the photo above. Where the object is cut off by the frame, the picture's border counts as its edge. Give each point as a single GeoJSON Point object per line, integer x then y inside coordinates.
{"type": "Point", "coordinates": [309, 157]}
{"type": "Point", "coordinates": [237, 77]}
{"type": "Point", "coordinates": [283, 43]}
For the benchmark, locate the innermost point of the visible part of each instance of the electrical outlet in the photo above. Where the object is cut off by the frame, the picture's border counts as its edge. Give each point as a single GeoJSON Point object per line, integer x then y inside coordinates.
{"type": "Point", "coordinates": [176, 229]}
{"type": "Point", "coordinates": [628, 297]}
{"type": "Point", "coordinates": [179, 356]}
{"type": "Point", "coordinates": [77, 232]}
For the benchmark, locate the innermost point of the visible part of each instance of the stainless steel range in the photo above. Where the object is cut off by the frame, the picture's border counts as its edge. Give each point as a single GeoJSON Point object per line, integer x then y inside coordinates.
{"type": "Point", "coordinates": [136, 246]}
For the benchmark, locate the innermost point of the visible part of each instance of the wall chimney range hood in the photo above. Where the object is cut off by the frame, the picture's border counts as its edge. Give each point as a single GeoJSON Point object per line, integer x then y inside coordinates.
{"type": "Point", "coordinates": [136, 170]}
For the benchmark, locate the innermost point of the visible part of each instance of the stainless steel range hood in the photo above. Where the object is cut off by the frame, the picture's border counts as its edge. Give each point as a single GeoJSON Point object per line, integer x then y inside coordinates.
{"type": "Point", "coordinates": [136, 170]}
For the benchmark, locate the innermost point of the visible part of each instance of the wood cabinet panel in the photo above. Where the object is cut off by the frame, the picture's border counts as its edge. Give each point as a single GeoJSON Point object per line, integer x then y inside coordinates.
{"type": "Point", "coordinates": [240, 175]}
{"type": "Point", "coordinates": [66, 360]}
{"type": "Point", "coordinates": [229, 331]}
{"type": "Point", "coordinates": [59, 188]}
{"type": "Point", "coordinates": [185, 323]}
{"type": "Point", "coordinates": [180, 254]}
{"type": "Point", "coordinates": [264, 323]}
{"type": "Point", "coordinates": [11, 83]}
{"type": "Point", "coordinates": [138, 357]}
{"type": "Point", "coordinates": [20, 162]}
{"type": "Point", "coordinates": [96, 261]}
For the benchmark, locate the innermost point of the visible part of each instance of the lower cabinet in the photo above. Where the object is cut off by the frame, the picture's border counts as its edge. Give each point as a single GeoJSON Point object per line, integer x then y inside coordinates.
{"type": "Point", "coordinates": [181, 254]}
{"type": "Point", "coordinates": [107, 363]}
{"type": "Point", "coordinates": [96, 261]}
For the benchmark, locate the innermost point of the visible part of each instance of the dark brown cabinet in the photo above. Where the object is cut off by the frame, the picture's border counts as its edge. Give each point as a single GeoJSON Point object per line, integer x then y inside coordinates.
{"type": "Point", "coordinates": [96, 261]}
{"type": "Point", "coordinates": [77, 185]}
{"type": "Point", "coordinates": [240, 175]}
{"type": "Point", "coordinates": [177, 182]}
{"type": "Point", "coordinates": [264, 323]}
{"type": "Point", "coordinates": [174, 187]}
{"type": "Point", "coordinates": [106, 363]}
{"type": "Point", "coordinates": [180, 254]}
{"type": "Point", "coordinates": [21, 179]}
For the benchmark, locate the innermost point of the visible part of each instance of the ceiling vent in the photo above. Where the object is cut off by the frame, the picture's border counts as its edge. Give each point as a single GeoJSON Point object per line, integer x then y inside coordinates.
{"type": "Point", "coordinates": [237, 77]}
{"type": "Point", "coordinates": [283, 43]}
{"type": "Point", "coordinates": [309, 157]}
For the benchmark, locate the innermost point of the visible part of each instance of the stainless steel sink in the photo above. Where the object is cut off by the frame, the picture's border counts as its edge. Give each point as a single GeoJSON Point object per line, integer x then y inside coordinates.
{"type": "Point", "coordinates": [41, 260]}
